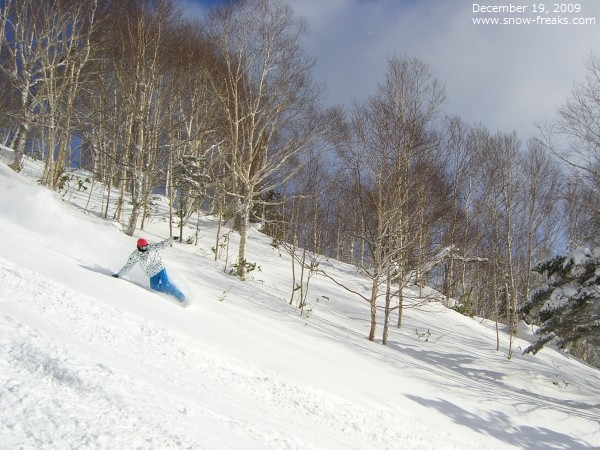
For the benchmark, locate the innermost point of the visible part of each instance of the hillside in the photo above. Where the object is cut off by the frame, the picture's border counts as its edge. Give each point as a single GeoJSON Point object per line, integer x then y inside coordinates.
{"type": "Point", "coordinates": [88, 361]}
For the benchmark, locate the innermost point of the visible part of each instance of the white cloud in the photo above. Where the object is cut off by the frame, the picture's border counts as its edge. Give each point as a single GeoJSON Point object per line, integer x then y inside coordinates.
{"type": "Point", "coordinates": [507, 77]}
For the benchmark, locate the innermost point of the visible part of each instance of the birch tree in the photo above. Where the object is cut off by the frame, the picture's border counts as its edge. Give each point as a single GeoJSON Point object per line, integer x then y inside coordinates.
{"type": "Point", "coordinates": [541, 219]}
{"type": "Point", "coordinates": [266, 97]}
{"type": "Point", "coordinates": [457, 233]}
{"type": "Point", "coordinates": [65, 63]}
{"type": "Point", "coordinates": [574, 138]}
{"type": "Point", "coordinates": [391, 141]}
{"type": "Point", "coordinates": [138, 53]}
{"type": "Point", "coordinates": [28, 38]}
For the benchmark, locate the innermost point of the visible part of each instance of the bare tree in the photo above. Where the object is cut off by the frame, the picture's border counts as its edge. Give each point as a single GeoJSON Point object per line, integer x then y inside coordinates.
{"type": "Point", "coordinates": [392, 140]}
{"type": "Point", "coordinates": [139, 35]}
{"type": "Point", "coordinates": [574, 138]}
{"type": "Point", "coordinates": [189, 123]}
{"type": "Point", "coordinates": [266, 97]}
{"type": "Point", "coordinates": [74, 24]}
{"type": "Point", "coordinates": [457, 162]}
{"type": "Point", "coordinates": [29, 38]}
{"type": "Point", "coordinates": [542, 221]}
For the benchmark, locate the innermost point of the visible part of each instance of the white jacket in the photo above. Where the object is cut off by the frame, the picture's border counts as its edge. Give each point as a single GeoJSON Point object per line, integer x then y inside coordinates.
{"type": "Point", "coordinates": [150, 260]}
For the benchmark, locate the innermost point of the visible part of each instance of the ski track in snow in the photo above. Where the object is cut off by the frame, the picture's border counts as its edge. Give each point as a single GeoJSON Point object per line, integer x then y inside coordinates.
{"type": "Point", "coordinates": [62, 384]}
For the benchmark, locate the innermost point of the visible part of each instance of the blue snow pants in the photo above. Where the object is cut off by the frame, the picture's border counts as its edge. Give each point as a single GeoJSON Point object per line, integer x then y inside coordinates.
{"type": "Point", "coordinates": [161, 283]}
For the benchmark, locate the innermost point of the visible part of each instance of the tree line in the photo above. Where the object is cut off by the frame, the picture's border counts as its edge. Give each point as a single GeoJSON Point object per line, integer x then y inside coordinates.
{"type": "Point", "coordinates": [221, 114]}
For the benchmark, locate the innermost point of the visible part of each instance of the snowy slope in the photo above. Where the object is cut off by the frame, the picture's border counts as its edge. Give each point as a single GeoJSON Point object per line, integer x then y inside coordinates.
{"type": "Point", "coordinates": [88, 361]}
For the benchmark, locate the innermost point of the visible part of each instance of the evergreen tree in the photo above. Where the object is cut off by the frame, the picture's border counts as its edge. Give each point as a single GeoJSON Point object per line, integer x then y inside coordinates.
{"type": "Point", "coordinates": [567, 307]}
{"type": "Point", "coordinates": [190, 180]}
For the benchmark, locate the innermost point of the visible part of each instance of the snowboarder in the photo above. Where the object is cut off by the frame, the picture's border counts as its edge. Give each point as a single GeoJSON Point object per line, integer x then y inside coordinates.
{"type": "Point", "coordinates": [151, 262]}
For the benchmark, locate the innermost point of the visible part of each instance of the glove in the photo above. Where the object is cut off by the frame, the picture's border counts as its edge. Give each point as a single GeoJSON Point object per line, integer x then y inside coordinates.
{"type": "Point", "coordinates": [175, 238]}
{"type": "Point", "coordinates": [115, 275]}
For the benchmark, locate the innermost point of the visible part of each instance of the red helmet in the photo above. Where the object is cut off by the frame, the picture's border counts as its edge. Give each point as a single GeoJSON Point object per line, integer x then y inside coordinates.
{"type": "Point", "coordinates": [142, 245]}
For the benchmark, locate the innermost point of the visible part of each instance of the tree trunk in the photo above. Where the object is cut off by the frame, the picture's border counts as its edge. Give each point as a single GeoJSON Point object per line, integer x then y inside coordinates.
{"type": "Point", "coordinates": [244, 216]}
{"type": "Point", "coordinates": [373, 304]}
{"type": "Point", "coordinates": [387, 311]}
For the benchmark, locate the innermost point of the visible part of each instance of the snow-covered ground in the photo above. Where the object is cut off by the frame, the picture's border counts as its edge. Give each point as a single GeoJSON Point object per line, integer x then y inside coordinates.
{"type": "Point", "coordinates": [88, 361]}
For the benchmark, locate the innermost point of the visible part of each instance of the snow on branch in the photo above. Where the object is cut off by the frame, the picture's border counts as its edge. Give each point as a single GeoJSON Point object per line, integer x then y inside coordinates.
{"type": "Point", "coordinates": [442, 255]}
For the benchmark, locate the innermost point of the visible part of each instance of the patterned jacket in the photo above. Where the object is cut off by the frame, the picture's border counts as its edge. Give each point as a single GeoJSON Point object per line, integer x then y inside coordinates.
{"type": "Point", "coordinates": [150, 260]}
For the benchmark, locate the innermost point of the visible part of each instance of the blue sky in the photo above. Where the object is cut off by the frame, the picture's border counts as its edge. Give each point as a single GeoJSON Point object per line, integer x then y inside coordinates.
{"type": "Point", "coordinates": [506, 77]}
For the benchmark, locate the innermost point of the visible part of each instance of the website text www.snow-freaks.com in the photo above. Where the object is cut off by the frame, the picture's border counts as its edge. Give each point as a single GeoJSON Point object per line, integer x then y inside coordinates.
{"type": "Point", "coordinates": [533, 14]}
